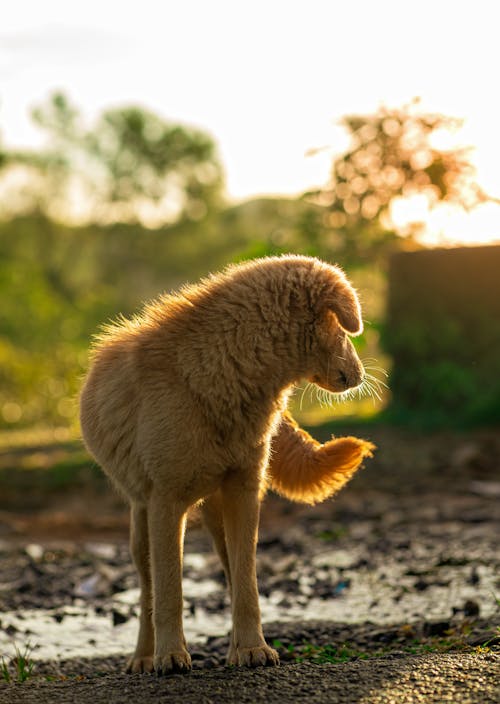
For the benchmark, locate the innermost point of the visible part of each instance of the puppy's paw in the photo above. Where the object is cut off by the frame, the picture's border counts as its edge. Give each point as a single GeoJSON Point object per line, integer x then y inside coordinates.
{"type": "Point", "coordinates": [253, 657]}
{"type": "Point", "coordinates": [138, 664]}
{"type": "Point", "coordinates": [176, 661]}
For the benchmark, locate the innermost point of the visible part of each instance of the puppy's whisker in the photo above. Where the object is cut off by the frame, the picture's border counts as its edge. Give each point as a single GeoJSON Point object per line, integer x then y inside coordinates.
{"type": "Point", "coordinates": [372, 364]}
{"type": "Point", "coordinates": [370, 360]}
{"type": "Point", "coordinates": [375, 380]}
{"type": "Point", "coordinates": [301, 397]}
{"type": "Point", "coordinates": [372, 390]}
{"type": "Point", "coordinates": [373, 387]}
{"type": "Point", "coordinates": [364, 390]}
{"type": "Point", "coordinates": [375, 374]}
{"type": "Point", "coordinates": [304, 390]}
{"type": "Point", "coordinates": [376, 370]}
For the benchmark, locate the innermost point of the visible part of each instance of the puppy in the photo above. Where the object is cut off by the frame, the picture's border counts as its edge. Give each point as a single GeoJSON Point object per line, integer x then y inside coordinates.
{"type": "Point", "coordinates": [186, 404]}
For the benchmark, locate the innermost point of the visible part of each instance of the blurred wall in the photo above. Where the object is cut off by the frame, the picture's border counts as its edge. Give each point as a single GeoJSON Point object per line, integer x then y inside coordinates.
{"type": "Point", "coordinates": [443, 333]}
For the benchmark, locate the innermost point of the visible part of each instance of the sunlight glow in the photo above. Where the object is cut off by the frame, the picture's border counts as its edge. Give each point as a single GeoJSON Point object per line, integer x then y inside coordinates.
{"type": "Point", "coordinates": [446, 225]}
{"type": "Point", "coordinates": [267, 80]}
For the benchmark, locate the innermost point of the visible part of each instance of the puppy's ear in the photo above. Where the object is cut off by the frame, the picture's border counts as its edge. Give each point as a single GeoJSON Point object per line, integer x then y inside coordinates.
{"type": "Point", "coordinates": [343, 301]}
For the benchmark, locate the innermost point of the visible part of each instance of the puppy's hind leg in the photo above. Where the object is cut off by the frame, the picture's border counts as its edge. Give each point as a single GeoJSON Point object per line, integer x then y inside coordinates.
{"type": "Point", "coordinates": [167, 520]}
{"type": "Point", "coordinates": [212, 517]}
{"type": "Point", "coordinates": [142, 660]}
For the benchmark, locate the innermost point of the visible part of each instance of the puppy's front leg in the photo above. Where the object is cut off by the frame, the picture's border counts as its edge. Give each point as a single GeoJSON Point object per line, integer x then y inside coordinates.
{"type": "Point", "coordinates": [166, 532]}
{"type": "Point", "coordinates": [241, 518]}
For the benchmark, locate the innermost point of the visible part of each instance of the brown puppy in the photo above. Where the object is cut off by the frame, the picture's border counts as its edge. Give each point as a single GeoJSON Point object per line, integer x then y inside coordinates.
{"type": "Point", "coordinates": [180, 407]}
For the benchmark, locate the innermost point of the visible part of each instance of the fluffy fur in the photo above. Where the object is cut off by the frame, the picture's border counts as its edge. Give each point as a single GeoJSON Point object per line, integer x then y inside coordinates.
{"type": "Point", "coordinates": [304, 470]}
{"type": "Point", "coordinates": [181, 406]}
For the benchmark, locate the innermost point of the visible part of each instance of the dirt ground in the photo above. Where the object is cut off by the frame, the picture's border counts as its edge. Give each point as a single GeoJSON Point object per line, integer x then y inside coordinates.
{"type": "Point", "coordinates": [389, 593]}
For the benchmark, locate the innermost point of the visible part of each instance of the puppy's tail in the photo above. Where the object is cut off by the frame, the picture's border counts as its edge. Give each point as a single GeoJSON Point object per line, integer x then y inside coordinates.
{"type": "Point", "coordinates": [304, 470]}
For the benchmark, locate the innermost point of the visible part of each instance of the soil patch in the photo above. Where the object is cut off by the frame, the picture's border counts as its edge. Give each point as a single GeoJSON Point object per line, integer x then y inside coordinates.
{"type": "Point", "coordinates": [389, 593]}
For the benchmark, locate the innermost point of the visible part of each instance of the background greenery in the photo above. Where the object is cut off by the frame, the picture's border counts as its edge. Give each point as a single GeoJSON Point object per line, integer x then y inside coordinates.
{"type": "Point", "coordinates": [443, 335]}
{"type": "Point", "coordinates": [108, 215]}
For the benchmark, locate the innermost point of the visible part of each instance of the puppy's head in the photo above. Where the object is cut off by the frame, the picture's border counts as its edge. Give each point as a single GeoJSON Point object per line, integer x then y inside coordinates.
{"type": "Point", "coordinates": [333, 361]}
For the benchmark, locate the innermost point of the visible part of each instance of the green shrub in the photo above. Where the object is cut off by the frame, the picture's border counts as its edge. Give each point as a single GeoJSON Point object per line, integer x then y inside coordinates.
{"type": "Point", "coordinates": [443, 334]}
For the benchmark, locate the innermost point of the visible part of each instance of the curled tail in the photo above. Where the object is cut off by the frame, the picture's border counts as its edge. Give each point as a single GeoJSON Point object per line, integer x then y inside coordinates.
{"type": "Point", "coordinates": [304, 470]}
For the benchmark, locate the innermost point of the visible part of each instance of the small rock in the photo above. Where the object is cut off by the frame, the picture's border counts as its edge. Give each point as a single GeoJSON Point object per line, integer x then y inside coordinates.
{"type": "Point", "coordinates": [474, 577]}
{"type": "Point", "coordinates": [106, 551]}
{"type": "Point", "coordinates": [421, 585]}
{"type": "Point", "coordinates": [210, 663]}
{"type": "Point", "coordinates": [489, 637]}
{"type": "Point", "coordinates": [198, 655]}
{"type": "Point", "coordinates": [471, 608]}
{"type": "Point", "coordinates": [436, 628]}
{"type": "Point", "coordinates": [217, 642]}
{"type": "Point", "coordinates": [119, 617]}
{"type": "Point", "coordinates": [34, 551]}
{"type": "Point", "coordinates": [385, 635]}
{"type": "Point", "coordinates": [341, 586]}
{"type": "Point", "coordinates": [486, 488]}
{"type": "Point", "coordinates": [92, 586]}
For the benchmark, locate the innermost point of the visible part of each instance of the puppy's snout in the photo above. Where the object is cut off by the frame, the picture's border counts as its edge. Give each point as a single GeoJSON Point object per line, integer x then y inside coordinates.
{"type": "Point", "coordinates": [352, 379]}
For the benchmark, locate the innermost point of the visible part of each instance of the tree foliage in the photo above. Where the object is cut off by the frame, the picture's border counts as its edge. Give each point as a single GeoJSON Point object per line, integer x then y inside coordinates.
{"type": "Point", "coordinates": [393, 154]}
{"type": "Point", "coordinates": [131, 166]}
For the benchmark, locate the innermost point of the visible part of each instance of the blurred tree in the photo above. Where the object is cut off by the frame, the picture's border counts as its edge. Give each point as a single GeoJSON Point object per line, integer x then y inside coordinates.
{"type": "Point", "coordinates": [393, 154]}
{"type": "Point", "coordinates": [132, 166]}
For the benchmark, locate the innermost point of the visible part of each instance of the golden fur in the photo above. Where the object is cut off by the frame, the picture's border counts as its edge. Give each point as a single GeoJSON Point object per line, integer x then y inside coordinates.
{"type": "Point", "coordinates": [181, 406]}
{"type": "Point", "coordinates": [304, 470]}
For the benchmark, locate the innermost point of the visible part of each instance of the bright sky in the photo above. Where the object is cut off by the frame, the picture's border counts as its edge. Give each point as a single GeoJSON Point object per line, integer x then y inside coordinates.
{"type": "Point", "coordinates": [267, 78]}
